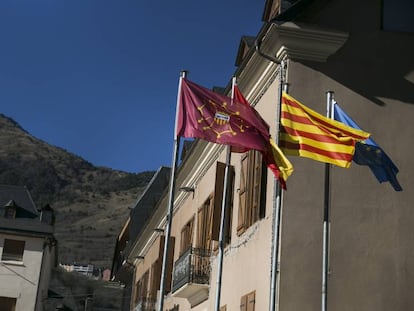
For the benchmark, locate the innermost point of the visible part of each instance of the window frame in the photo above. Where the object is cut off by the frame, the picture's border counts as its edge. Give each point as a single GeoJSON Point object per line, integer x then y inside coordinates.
{"type": "Point", "coordinates": [10, 301]}
{"type": "Point", "coordinates": [18, 248]}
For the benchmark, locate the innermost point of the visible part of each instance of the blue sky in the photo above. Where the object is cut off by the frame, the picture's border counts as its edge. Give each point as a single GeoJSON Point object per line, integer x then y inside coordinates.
{"type": "Point", "coordinates": [99, 77]}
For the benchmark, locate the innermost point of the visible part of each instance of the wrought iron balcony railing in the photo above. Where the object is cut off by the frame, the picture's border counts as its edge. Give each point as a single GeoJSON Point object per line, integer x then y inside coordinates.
{"type": "Point", "coordinates": [192, 267]}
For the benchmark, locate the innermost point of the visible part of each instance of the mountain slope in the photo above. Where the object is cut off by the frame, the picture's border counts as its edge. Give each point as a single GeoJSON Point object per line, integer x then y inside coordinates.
{"type": "Point", "coordinates": [91, 203]}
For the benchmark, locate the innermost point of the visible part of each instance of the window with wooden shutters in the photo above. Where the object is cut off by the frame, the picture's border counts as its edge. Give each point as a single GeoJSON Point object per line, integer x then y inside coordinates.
{"type": "Point", "coordinates": [204, 225]}
{"type": "Point", "coordinates": [218, 199]}
{"type": "Point", "coordinates": [252, 193]}
{"type": "Point", "coordinates": [247, 302]}
{"type": "Point", "coordinates": [187, 236]}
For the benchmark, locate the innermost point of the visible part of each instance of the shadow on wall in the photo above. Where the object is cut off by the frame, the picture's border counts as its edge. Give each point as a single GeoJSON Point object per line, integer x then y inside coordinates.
{"type": "Point", "coordinates": [382, 66]}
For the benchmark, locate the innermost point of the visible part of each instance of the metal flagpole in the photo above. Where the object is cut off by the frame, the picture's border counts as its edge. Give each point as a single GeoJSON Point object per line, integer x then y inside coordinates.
{"type": "Point", "coordinates": [171, 197]}
{"type": "Point", "coordinates": [223, 218]}
{"type": "Point", "coordinates": [326, 220]}
{"type": "Point", "coordinates": [278, 193]}
{"type": "Point", "coordinates": [277, 207]}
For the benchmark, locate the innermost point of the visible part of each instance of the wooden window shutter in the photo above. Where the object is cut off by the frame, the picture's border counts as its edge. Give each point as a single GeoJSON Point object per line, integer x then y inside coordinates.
{"type": "Point", "coordinates": [183, 240]}
{"type": "Point", "coordinates": [142, 288]}
{"type": "Point", "coordinates": [218, 199]}
{"type": "Point", "coordinates": [190, 233]}
{"type": "Point", "coordinates": [187, 236]}
{"type": "Point", "coordinates": [137, 291]}
{"type": "Point", "coordinates": [241, 220]}
{"type": "Point", "coordinates": [204, 225]}
{"type": "Point", "coordinates": [256, 186]}
{"type": "Point", "coordinates": [223, 308]}
{"type": "Point", "coordinates": [251, 301]}
{"type": "Point", "coordinates": [155, 277]}
{"type": "Point", "coordinates": [243, 303]}
{"type": "Point", "coordinates": [170, 262]}
{"type": "Point", "coordinates": [209, 222]}
{"type": "Point", "coordinates": [145, 284]}
{"type": "Point", "coordinates": [229, 206]}
{"type": "Point", "coordinates": [200, 229]}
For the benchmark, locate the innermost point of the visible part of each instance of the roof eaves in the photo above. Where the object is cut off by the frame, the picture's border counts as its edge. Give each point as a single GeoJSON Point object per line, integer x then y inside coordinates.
{"type": "Point", "coordinates": [292, 12]}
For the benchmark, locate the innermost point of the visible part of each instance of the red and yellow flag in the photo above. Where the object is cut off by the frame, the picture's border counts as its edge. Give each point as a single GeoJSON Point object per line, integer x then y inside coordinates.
{"type": "Point", "coordinates": [307, 133]}
{"type": "Point", "coordinates": [207, 115]}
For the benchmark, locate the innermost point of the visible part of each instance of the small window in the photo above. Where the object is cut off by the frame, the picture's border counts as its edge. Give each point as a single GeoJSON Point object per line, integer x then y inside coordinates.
{"type": "Point", "coordinates": [7, 304]}
{"type": "Point", "coordinates": [10, 212]}
{"type": "Point", "coordinates": [13, 250]}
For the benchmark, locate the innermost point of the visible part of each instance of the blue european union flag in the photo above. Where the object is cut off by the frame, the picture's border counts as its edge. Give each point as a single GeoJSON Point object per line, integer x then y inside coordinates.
{"type": "Point", "coordinates": [370, 154]}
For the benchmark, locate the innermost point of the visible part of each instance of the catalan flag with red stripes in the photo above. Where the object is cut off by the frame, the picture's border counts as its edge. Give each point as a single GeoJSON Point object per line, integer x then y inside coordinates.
{"type": "Point", "coordinates": [309, 134]}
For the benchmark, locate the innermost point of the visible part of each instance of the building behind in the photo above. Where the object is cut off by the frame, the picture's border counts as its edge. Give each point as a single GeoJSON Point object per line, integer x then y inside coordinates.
{"type": "Point", "coordinates": [28, 250]}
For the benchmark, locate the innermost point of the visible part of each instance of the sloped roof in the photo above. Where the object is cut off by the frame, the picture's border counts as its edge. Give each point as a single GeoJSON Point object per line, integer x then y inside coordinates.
{"type": "Point", "coordinates": [21, 196]}
{"type": "Point", "coordinates": [146, 203]}
{"type": "Point", "coordinates": [27, 220]}
{"type": "Point", "coordinates": [25, 226]}
{"type": "Point", "coordinates": [246, 42]}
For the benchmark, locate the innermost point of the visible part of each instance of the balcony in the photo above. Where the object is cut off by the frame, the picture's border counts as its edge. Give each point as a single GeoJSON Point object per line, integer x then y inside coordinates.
{"type": "Point", "coordinates": [191, 276]}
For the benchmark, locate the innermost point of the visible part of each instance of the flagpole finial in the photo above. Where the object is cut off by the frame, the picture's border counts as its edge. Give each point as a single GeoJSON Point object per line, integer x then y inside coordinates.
{"type": "Point", "coordinates": [183, 73]}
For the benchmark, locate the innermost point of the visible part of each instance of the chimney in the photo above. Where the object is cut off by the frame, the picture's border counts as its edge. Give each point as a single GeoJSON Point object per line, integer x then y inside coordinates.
{"type": "Point", "coordinates": [47, 215]}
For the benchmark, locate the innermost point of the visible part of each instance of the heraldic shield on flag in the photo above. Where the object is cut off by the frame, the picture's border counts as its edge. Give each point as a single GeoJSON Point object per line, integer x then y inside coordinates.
{"type": "Point", "coordinates": [216, 118]}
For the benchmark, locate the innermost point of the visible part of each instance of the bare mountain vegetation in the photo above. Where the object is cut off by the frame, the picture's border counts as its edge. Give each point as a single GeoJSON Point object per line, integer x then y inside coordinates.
{"type": "Point", "coordinates": [91, 203]}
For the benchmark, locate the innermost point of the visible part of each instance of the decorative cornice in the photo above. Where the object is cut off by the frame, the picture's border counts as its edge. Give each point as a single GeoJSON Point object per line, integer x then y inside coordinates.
{"type": "Point", "coordinates": [303, 42]}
